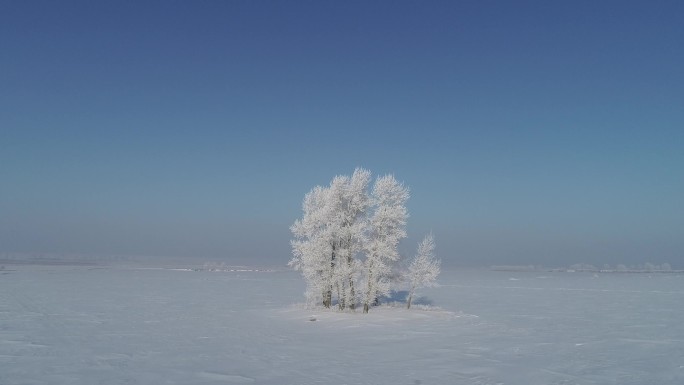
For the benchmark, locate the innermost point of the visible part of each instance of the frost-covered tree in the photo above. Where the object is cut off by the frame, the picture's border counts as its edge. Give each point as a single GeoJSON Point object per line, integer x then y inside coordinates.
{"type": "Point", "coordinates": [386, 228]}
{"type": "Point", "coordinates": [346, 242]}
{"type": "Point", "coordinates": [348, 202]}
{"type": "Point", "coordinates": [329, 237]}
{"type": "Point", "coordinates": [424, 268]}
{"type": "Point", "coordinates": [312, 247]}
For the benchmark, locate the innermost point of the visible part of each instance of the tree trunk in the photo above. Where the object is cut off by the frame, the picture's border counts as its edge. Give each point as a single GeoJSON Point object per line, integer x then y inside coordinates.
{"type": "Point", "coordinates": [339, 298]}
{"type": "Point", "coordinates": [327, 298]}
{"type": "Point", "coordinates": [350, 263]}
{"type": "Point", "coordinates": [369, 291]}
{"type": "Point", "coordinates": [352, 292]}
{"type": "Point", "coordinates": [343, 296]}
{"type": "Point", "coordinates": [410, 297]}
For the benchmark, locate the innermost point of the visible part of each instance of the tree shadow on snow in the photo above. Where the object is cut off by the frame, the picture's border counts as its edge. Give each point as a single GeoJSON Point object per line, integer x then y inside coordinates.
{"type": "Point", "coordinates": [402, 295]}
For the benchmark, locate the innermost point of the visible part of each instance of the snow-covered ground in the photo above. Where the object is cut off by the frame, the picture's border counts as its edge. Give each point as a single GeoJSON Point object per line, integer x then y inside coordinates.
{"type": "Point", "coordinates": [115, 325]}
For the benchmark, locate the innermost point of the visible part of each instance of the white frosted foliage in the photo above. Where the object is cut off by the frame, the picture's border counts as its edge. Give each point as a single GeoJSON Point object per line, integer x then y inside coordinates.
{"type": "Point", "coordinates": [387, 228]}
{"type": "Point", "coordinates": [424, 268]}
{"type": "Point", "coordinates": [346, 241]}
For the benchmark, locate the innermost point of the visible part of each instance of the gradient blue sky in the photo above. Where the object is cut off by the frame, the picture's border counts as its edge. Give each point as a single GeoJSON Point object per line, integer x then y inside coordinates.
{"type": "Point", "coordinates": [529, 132]}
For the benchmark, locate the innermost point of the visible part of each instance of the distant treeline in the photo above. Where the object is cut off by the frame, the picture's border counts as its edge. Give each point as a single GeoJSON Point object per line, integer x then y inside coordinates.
{"type": "Point", "coordinates": [584, 267]}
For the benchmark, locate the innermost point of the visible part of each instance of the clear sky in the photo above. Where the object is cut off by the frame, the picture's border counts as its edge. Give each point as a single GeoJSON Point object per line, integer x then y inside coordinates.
{"type": "Point", "coordinates": [547, 132]}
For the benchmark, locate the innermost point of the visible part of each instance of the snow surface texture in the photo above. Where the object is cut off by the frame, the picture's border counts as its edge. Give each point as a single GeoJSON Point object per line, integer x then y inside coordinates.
{"type": "Point", "coordinates": [78, 325]}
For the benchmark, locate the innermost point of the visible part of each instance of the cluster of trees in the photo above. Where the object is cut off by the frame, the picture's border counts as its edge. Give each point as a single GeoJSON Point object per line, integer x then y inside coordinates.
{"type": "Point", "coordinates": [215, 266]}
{"type": "Point", "coordinates": [346, 242]}
{"type": "Point", "coordinates": [647, 267]}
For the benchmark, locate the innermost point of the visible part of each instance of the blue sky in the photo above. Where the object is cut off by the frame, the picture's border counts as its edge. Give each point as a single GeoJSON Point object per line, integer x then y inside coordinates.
{"type": "Point", "coordinates": [528, 132]}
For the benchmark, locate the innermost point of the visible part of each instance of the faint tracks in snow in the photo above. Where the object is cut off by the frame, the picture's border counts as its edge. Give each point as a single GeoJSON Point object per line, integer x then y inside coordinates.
{"type": "Point", "coordinates": [565, 378]}
{"type": "Point", "coordinates": [227, 378]}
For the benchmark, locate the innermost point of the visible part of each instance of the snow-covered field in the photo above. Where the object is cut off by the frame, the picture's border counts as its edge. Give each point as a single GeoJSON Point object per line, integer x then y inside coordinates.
{"type": "Point", "coordinates": [116, 325]}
